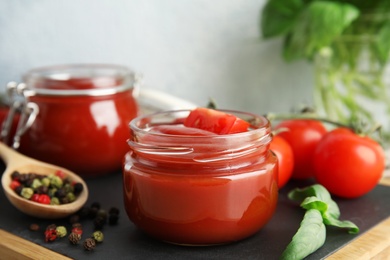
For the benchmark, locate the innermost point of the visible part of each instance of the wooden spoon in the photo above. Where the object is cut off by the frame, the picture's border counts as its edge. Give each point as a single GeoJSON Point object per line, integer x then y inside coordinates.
{"type": "Point", "coordinates": [17, 162]}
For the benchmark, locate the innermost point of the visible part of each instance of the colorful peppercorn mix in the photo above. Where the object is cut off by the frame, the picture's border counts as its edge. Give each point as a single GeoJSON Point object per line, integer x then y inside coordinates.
{"type": "Point", "coordinates": [95, 213]}
{"type": "Point", "coordinates": [53, 189]}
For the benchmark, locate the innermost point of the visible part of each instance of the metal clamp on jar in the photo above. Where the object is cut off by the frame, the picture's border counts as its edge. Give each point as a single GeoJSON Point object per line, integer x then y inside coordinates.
{"type": "Point", "coordinates": [18, 104]}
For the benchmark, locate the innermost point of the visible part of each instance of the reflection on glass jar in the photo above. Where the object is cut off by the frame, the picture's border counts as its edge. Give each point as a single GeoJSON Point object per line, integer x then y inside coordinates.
{"type": "Point", "coordinates": [199, 190]}
{"type": "Point", "coordinates": [83, 117]}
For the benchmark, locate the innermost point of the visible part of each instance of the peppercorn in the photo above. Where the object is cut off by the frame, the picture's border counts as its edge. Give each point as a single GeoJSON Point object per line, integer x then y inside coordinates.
{"type": "Point", "coordinates": [14, 184]}
{"type": "Point", "coordinates": [98, 236]}
{"type": "Point", "coordinates": [39, 176]}
{"type": "Point", "coordinates": [45, 181]}
{"type": "Point", "coordinates": [52, 192]}
{"type": "Point", "coordinates": [34, 227]}
{"type": "Point", "coordinates": [51, 226]}
{"type": "Point", "coordinates": [102, 213]}
{"type": "Point", "coordinates": [66, 180]}
{"type": "Point", "coordinates": [60, 193]}
{"type": "Point", "coordinates": [99, 222]}
{"type": "Point", "coordinates": [32, 175]}
{"type": "Point", "coordinates": [78, 188]}
{"type": "Point", "coordinates": [113, 219]}
{"type": "Point", "coordinates": [55, 201]}
{"type": "Point", "coordinates": [50, 235]}
{"type": "Point", "coordinates": [64, 200]}
{"type": "Point", "coordinates": [56, 182]}
{"type": "Point", "coordinates": [19, 189]}
{"type": "Point", "coordinates": [35, 197]}
{"type": "Point", "coordinates": [29, 182]}
{"type": "Point", "coordinates": [67, 188]}
{"type": "Point", "coordinates": [61, 231]}
{"type": "Point", "coordinates": [71, 197]}
{"type": "Point", "coordinates": [15, 175]}
{"type": "Point", "coordinates": [113, 210]}
{"type": "Point", "coordinates": [89, 244]}
{"type": "Point", "coordinates": [60, 174]}
{"type": "Point", "coordinates": [42, 189]}
{"type": "Point", "coordinates": [44, 199]}
{"type": "Point", "coordinates": [77, 225]}
{"type": "Point", "coordinates": [27, 193]}
{"type": "Point", "coordinates": [23, 178]}
{"type": "Point", "coordinates": [74, 238]}
{"type": "Point", "coordinates": [77, 230]}
{"type": "Point", "coordinates": [36, 183]}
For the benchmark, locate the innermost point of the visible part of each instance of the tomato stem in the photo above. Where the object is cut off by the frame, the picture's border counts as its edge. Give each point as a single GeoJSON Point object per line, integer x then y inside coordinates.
{"type": "Point", "coordinates": [357, 127]}
{"type": "Point", "coordinates": [307, 116]}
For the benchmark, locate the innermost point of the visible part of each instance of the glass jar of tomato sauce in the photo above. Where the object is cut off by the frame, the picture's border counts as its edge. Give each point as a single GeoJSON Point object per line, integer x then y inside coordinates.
{"type": "Point", "coordinates": [189, 187]}
{"type": "Point", "coordinates": [82, 116]}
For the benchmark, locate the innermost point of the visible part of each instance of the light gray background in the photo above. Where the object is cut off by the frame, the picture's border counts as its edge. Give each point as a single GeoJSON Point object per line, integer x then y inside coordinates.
{"type": "Point", "coordinates": [193, 49]}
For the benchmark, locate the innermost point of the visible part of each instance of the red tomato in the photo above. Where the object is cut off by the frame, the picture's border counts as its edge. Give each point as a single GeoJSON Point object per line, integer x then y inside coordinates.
{"type": "Point", "coordinates": [303, 136]}
{"type": "Point", "coordinates": [215, 121]}
{"type": "Point", "coordinates": [347, 164]}
{"type": "Point", "coordinates": [285, 156]}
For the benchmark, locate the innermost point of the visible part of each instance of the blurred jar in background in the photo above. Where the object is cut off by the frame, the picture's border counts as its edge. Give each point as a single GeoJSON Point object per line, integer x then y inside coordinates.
{"type": "Point", "coordinates": [78, 116]}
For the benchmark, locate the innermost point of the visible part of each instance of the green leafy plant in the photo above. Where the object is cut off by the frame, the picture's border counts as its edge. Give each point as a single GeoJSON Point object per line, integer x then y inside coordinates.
{"type": "Point", "coordinates": [308, 26]}
{"type": "Point", "coordinates": [348, 41]}
{"type": "Point", "coordinates": [321, 211]}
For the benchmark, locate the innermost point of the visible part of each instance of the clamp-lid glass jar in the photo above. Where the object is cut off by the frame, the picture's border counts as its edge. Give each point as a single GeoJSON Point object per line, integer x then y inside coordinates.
{"type": "Point", "coordinates": [84, 112]}
{"type": "Point", "coordinates": [199, 189]}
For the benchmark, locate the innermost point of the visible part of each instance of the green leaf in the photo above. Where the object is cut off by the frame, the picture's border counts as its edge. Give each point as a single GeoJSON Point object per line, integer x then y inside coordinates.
{"type": "Point", "coordinates": [278, 17]}
{"type": "Point", "coordinates": [310, 236]}
{"type": "Point", "coordinates": [316, 26]}
{"type": "Point", "coordinates": [318, 191]}
{"type": "Point", "coordinates": [382, 44]}
{"type": "Point", "coordinates": [314, 203]}
{"type": "Point", "coordinates": [317, 197]}
{"type": "Point", "coordinates": [350, 226]}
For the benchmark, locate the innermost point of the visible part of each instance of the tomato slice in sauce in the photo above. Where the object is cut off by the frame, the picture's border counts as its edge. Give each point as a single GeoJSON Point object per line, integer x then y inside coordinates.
{"type": "Point", "coordinates": [180, 130]}
{"type": "Point", "coordinates": [215, 121]}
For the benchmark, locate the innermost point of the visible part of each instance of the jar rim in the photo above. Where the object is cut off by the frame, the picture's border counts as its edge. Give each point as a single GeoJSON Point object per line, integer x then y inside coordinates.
{"type": "Point", "coordinates": [201, 148]}
{"type": "Point", "coordinates": [89, 70]}
{"type": "Point", "coordinates": [261, 126]}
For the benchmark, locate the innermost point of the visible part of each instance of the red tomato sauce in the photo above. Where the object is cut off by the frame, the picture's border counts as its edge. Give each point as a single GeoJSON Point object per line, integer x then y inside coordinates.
{"type": "Point", "coordinates": [198, 198]}
{"type": "Point", "coordinates": [85, 133]}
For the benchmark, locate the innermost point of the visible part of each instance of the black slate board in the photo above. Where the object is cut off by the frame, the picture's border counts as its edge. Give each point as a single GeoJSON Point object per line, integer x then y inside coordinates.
{"type": "Point", "coordinates": [125, 241]}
